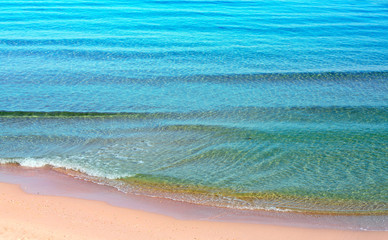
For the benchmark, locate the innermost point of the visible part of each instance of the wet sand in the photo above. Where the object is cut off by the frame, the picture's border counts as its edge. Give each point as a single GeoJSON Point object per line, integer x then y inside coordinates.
{"type": "Point", "coordinates": [27, 214]}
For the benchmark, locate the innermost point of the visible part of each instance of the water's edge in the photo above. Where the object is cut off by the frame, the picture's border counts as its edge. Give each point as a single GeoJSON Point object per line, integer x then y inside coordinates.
{"type": "Point", "coordinates": [47, 181]}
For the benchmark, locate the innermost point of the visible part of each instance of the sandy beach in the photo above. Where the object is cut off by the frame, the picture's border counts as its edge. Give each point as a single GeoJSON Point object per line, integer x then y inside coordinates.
{"type": "Point", "coordinates": [237, 119]}
{"type": "Point", "coordinates": [32, 216]}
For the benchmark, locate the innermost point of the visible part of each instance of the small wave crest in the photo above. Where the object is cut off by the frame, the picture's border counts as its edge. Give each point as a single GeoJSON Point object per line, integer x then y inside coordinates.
{"type": "Point", "coordinates": [58, 163]}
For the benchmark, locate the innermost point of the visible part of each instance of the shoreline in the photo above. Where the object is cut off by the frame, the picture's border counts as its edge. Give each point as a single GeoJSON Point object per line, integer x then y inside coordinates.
{"type": "Point", "coordinates": [135, 189]}
{"type": "Point", "coordinates": [35, 216]}
{"type": "Point", "coordinates": [43, 203]}
{"type": "Point", "coordinates": [51, 182]}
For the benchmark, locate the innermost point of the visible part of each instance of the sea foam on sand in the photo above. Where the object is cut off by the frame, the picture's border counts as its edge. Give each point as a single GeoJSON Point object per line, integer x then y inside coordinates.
{"type": "Point", "coordinates": [34, 216]}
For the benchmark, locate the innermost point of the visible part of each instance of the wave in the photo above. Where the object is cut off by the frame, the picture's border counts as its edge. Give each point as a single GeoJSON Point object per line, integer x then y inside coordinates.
{"type": "Point", "coordinates": [298, 158]}
{"type": "Point", "coordinates": [243, 101]}
{"type": "Point", "coordinates": [175, 189]}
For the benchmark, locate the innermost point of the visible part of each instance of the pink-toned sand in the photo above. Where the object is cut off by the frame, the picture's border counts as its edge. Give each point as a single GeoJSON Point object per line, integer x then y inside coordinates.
{"type": "Point", "coordinates": [30, 216]}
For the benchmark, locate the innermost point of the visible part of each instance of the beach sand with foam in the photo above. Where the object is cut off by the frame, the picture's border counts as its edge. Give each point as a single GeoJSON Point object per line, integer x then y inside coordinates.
{"type": "Point", "coordinates": [27, 216]}
{"type": "Point", "coordinates": [45, 204]}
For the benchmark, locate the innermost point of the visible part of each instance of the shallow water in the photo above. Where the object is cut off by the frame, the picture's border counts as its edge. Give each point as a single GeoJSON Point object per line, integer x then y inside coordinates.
{"type": "Point", "coordinates": [246, 104]}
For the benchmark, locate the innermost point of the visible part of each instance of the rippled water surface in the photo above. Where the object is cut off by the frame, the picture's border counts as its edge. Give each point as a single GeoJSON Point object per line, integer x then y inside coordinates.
{"type": "Point", "coordinates": [147, 38]}
{"type": "Point", "coordinates": [247, 104]}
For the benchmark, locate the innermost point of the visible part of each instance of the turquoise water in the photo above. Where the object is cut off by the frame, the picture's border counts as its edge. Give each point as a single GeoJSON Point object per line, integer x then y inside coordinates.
{"type": "Point", "coordinates": [246, 104]}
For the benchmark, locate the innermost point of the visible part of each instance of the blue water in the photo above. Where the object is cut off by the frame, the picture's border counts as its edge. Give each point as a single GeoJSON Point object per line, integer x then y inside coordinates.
{"type": "Point", "coordinates": [246, 104]}
{"type": "Point", "coordinates": [153, 38]}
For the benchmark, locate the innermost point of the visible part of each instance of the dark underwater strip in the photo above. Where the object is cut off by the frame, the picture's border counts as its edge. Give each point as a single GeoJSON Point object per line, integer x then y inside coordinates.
{"type": "Point", "coordinates": [226, 111]}
{"type": "Point", "coordinates": [69, 114]}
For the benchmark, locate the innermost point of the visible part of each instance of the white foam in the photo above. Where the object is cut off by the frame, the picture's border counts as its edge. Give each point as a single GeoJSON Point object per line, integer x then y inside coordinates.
{"type": "Point", "coordinates": [58, 162]}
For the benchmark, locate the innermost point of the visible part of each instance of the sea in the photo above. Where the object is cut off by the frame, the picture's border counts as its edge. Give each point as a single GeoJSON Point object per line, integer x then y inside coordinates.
{"type": "Point", "coordinates": [277, 105]}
